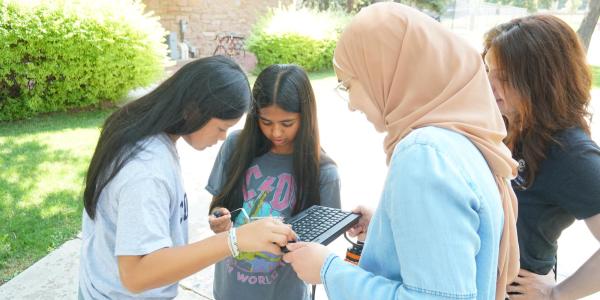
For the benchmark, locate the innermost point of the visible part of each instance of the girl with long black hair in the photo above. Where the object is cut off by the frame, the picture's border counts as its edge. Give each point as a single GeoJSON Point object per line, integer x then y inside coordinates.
{"type": "Point", "coordinates": [273, 167]}
{"type": "Point", "coordinates": [135, 225]}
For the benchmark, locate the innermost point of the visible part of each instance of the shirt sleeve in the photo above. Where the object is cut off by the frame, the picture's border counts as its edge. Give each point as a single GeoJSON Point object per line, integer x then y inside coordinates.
{"type": "Point", "coordinates": [143, 217]}
{"type": "Point", "coordinates": [330, 186]}
{"type": "Point", "coordinates": [431, 214]}
{"type": "Point", "coordinates": [579, 190]}
{"type": "Point", "coordinates": [218, 174]}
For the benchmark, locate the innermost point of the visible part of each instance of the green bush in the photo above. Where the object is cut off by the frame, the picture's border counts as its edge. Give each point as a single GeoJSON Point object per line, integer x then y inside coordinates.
{"type": "Point", "coordinates": [595, 76]}
{"type": "Point", "coordinates": [59, 55]}
{"type": "Point", "coordinates": [303, 37]}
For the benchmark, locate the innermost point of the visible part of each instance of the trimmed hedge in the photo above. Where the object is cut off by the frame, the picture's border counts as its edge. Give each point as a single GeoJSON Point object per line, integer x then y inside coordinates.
{"type": "Point", "coordinates": [59, 57]}
{"type": "Point", "coordinates": [303, 37]}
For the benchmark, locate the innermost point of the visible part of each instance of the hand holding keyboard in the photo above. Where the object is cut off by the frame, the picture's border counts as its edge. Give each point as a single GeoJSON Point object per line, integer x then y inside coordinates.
{"type": "Point", "coordinates": [321, 224]}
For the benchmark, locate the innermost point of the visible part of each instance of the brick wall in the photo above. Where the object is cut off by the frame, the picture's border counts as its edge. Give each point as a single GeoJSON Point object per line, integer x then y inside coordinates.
{"type": "Point", "coordinates": [206, 18]}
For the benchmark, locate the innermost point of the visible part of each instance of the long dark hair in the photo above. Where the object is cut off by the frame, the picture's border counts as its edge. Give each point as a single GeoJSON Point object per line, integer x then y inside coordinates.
{"type": "Point", "coordinates": [213, 87]}
{"type": "Point", "coordinates": [542, 58]}
{"type": "Point", "coordinates": [288, 87]}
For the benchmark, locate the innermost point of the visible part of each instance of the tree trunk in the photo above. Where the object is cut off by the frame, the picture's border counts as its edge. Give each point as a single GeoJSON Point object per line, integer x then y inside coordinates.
{"type": "Point", "coordinates": [349, 5]}
{"type": "Point", "coordinates": [586, 30]}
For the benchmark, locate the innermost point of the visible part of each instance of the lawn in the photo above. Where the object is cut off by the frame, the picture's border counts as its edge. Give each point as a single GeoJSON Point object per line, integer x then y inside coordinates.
{"type": "Point", "coordinates": [43, 164]}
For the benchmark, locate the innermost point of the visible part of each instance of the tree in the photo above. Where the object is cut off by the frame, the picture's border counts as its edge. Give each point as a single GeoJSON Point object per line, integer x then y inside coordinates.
{"type": "Point", "coordinates": [349, 5]}
{"type": "Point", "coordinates": [436, 6]}
{"type": "Point", "coordinates": [586, 29]}
{"type": "Point", "coordinates": [531, 5]}
{"type": "Point", "coordinates": [320, 5]}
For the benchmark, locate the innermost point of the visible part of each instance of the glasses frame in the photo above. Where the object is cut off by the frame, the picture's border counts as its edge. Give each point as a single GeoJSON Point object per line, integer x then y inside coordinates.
{"type": "Point", "coordinates": [343, 91]}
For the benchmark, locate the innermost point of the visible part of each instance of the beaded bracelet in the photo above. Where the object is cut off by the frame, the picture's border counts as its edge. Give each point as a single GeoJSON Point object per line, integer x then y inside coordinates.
{"type": "Point", "coordinates": [229, 244]}
{"type": "Point", "coordinates": [233, 244]}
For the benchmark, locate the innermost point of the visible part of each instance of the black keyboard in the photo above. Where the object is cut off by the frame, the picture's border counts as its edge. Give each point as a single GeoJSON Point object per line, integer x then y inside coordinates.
{"type": "Point", "coordinates": [321, 224]}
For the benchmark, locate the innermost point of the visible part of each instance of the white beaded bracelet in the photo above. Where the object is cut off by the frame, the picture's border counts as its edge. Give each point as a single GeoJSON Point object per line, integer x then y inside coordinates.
{"type": "Point", "coordinates": [229, 244]}
{"type": "Point", "coordinates": [233, 244]}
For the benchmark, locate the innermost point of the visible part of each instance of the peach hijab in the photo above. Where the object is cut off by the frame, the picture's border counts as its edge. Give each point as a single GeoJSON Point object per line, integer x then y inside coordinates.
{"type": "Point", "coordinates": [417, 73]}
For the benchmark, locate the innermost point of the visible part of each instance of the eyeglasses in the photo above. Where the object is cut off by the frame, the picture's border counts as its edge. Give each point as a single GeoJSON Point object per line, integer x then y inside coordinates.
{"type": "Point", "coordinates": [496, 75]}
{"type": "Point", "coordinates": [342, 91]}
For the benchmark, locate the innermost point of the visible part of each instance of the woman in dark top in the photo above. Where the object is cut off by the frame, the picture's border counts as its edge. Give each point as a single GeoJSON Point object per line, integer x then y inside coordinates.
{"type": "Point", "coordinates": [541, 81]}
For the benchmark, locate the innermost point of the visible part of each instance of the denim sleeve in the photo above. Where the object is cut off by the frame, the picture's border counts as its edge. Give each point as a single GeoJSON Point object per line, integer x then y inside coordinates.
{"type": "Point", "coordinates": [428, 223]}
{"type": "Point", "coordinates": [330, 186]}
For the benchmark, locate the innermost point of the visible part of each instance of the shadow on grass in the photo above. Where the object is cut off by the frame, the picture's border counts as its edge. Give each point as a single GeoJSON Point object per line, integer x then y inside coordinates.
{"type": "Point", "coordinates": [38, 213]}
{"type": "Point", "coordinates": [54, 122]}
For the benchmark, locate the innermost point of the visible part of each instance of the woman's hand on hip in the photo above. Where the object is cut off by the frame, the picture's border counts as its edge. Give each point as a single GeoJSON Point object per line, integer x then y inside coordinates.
{"type": "Point", "coordinates": [529, 285]}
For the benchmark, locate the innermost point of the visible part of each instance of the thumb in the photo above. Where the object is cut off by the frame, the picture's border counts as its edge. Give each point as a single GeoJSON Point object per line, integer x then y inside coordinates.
{"type": "Point", "coordinates": [354, 231]}
{"type": "Point", "coordinates": [288, 257]}
{"type": "Point", "coordinates": [274, 249]}
{"type": "Point", "coordinates": [296, 245]}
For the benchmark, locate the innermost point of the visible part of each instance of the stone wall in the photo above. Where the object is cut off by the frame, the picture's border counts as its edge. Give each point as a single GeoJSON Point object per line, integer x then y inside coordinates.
{"type": "Point", "coordinates": [206, 18]}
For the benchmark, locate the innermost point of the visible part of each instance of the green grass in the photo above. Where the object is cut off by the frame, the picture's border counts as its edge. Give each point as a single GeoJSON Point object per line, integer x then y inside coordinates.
{"type": "Point", "coordinates": [43, 161]}
{"type": "Point", "coordinates": [312, 75]}
{"type": "Point", "coordinates": [595, 76]}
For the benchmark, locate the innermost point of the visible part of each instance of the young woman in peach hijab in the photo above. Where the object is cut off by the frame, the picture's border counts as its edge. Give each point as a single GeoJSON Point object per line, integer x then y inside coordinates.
{"type": "Point", "coordinates": [445, 224]}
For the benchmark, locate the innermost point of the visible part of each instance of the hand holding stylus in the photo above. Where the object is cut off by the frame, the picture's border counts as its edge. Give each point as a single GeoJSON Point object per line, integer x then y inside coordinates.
{"type": "Point", "coordinates": [220, 220]}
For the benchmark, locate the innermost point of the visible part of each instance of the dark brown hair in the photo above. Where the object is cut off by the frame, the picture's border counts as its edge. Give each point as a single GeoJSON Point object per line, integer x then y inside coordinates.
{"type": "Point", "coordinates": [288, 87]}
{"type": "Point", "coordinates": [211, 87]}
{"type": "Point", "coordinates": [542, 58]}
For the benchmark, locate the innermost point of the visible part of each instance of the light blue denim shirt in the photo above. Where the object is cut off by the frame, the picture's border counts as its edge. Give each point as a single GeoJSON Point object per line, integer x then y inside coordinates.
{"type": "Point", "coordinates": [436, 232]}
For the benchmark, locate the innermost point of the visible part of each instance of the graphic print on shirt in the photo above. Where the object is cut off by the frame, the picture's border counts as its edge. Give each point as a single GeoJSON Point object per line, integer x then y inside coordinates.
{"type": "Point", "coordinates": [263, 196]}
{"type": "Point", "coordinates": [184, 206]}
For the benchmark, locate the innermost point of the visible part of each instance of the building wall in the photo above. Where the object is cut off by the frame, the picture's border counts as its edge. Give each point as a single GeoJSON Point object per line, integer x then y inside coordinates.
{"type": "Point", "coordinates": [206, 18]}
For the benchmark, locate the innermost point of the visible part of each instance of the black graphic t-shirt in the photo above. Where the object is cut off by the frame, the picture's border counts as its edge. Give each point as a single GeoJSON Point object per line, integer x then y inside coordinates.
{"type": "Point", "coordinates": [269, 190]}
{"type": "Point", "coordinates": [566, 187]}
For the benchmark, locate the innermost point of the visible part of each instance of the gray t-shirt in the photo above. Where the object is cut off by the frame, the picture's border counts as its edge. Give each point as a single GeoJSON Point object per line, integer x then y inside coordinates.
{"type": "Point", "coordinates": [269, 190]}
{"type": "Point", "coordinates": [143, 209]}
